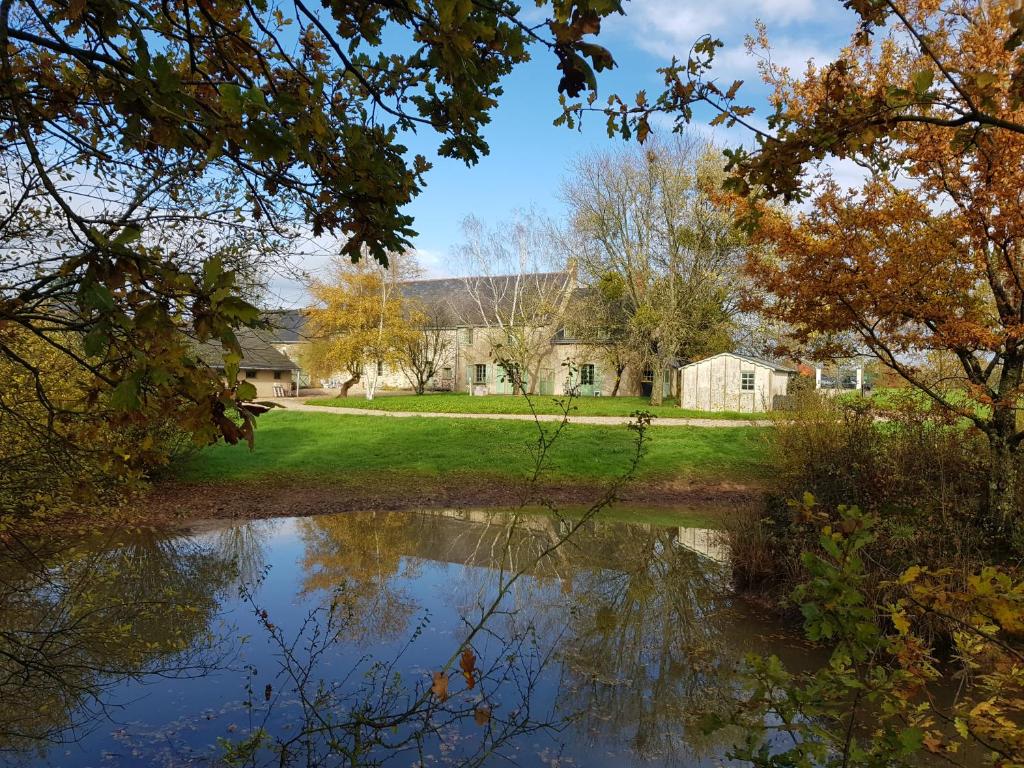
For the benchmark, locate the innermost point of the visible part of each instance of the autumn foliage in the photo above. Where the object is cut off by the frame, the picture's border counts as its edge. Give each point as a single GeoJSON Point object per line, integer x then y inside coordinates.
{"type": "Point", "coordinates": [925, 255]}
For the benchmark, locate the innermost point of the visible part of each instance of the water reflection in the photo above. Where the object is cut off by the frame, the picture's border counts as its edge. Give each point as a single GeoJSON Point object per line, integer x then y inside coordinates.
{"type": "Point", "coordinates": [599, 653]}
{"type": "Point", "coordinates": [77, 619]}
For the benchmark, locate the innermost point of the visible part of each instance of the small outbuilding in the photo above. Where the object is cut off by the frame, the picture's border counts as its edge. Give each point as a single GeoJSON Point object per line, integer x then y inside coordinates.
{"type": "Point", "coordinates": [272, 373]}
{"type": "Point", "coordinates": [734, 382]}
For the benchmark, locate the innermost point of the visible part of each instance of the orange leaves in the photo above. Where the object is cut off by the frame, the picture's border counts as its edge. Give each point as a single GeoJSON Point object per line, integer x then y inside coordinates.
{"type": "Point", "coordinates": [467, 663]}
{"type": "Point", "coordinates": [467, 666]}
{"type": "Point", "coordinates": [440, 686]}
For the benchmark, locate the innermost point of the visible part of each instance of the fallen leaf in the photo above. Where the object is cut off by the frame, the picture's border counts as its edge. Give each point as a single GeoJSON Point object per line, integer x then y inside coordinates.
{"type": "Point", "coordinates": [468, 664]}
{"type": "Point", "coordinates": [440, 686]}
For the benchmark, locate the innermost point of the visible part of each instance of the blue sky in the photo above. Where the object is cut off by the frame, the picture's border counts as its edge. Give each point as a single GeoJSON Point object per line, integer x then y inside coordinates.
{"type": "Point", "coordinates": [530, 157]}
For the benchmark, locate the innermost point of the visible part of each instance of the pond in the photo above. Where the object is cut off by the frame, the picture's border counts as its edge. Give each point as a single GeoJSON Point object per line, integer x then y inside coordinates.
{"type": "Point", "coordinates": [334, 640]}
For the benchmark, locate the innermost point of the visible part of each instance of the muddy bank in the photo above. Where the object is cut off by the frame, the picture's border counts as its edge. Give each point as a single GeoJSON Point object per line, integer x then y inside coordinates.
{"type": "Point", "coordinates": [179, 502]}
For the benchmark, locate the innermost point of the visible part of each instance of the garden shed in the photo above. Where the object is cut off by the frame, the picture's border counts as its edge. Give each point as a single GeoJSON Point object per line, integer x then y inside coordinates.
{"type": "Point", "coordinates": [734, 382]}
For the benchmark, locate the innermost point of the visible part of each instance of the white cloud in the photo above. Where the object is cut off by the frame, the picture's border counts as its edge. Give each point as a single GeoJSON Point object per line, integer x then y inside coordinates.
{"type": "Point", "coordinates": [798, 29]}
{"type": "Point", "coordinates": [433, 263]}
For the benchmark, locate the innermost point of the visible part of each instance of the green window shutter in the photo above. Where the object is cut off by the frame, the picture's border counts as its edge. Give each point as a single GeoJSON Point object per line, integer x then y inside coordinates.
{"type": "Point", "coordinates": [469, 378]}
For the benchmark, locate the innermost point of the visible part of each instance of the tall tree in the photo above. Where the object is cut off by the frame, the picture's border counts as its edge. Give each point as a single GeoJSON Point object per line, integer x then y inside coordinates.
{"type": "Point", "coordinates": [652, 217]}
{"type": "Point", "coordinates": [431, 347]}
{"type": "Point", "coordinates": [925, 257]}
{"type": "Point", "coordinates": [911, 281]}
{"type": "Point", "coordinates": [518, 291]}
{"type": "Point", "coordinates": [357, 323]}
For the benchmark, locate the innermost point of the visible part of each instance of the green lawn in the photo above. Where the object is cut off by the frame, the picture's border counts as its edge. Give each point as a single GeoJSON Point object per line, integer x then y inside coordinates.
{"type": "Point", "coordinates": [321, 446]}
{"type": "Point", "coordinates": [462, 402]}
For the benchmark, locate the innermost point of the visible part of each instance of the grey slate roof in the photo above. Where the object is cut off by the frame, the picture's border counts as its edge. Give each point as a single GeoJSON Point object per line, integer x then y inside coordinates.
{"type": "Point", "coordinates": [495, 291]}
{"type": "Point", "coordinates": [773, 364]}
{"type": "Point", "coordinates": [450, 293]}
{"type": "Point", "coordinates": [258, 352]}
{"type": "Point", "coordinates": [286, 325]}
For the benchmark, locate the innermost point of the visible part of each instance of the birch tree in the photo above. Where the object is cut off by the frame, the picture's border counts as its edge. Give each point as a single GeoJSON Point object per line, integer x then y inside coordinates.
{"type": "Point", "coordinates": [357, 323]}
{"type": "Point", "coordinates": [516, 289]}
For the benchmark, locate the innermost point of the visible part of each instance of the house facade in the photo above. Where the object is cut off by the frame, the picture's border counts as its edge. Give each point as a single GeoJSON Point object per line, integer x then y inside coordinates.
{"type": "Point", "coordinates": [481, 314]}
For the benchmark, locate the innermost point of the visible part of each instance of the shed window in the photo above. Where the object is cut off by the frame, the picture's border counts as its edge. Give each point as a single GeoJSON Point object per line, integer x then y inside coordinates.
{"type": "Point", "coordinates": [277, 375]}
{"type": "Point", "coordinates": [480, 373]}
{"type": "Point", "coordinates": [250, 374]}
{"type": "Point", "coordinates": [747, 381]}
{"type": "Point", "coordinates": [587, 374]}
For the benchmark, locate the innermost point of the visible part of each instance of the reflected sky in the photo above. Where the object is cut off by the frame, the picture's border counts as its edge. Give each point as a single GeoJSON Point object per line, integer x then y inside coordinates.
{"type": "Point", "coordinates": [603, 652]}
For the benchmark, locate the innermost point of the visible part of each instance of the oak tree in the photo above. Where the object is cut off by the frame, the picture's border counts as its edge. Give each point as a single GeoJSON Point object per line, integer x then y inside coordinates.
{"type": "Point", "coordinates": [152, 154]}
{"type": "Point", "coordinates": [925, 257]}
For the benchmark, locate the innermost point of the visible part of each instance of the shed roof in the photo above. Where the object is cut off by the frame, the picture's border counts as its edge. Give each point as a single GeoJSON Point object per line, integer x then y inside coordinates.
{"type": "Point", "coordinates": [773, 364]}
{"type": "Point", "coordinates": [258, 352]}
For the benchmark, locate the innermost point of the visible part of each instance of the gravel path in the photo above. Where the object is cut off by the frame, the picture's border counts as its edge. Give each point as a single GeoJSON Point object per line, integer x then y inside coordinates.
{"type": "Point", "coordinates": [292, 404]}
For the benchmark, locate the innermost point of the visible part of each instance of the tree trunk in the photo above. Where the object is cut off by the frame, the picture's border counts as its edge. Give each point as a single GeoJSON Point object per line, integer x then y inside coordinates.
{"type": "Point", "coordinates": [347, 385]}
{"type": "Point", "coordinates": [1001, 508]}
{"type": "Point", "coordinates": [657, 384]}
{"type": "Point", "coordinates": [618, 379]}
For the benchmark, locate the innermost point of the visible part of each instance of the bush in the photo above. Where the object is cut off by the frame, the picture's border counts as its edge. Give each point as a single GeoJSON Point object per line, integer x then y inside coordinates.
{"type": "Point", "coordinates": [922, 474]}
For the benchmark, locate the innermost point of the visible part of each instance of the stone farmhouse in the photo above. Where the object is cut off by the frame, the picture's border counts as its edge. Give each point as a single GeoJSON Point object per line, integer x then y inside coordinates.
{"type": "Point", "coordinates": [484, 317]}
{"type": "Point", "coordinates": [272, 373]}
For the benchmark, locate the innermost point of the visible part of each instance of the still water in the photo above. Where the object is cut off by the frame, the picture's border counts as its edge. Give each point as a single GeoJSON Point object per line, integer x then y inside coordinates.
{"type": "Point", "coordinates": [335, 640]}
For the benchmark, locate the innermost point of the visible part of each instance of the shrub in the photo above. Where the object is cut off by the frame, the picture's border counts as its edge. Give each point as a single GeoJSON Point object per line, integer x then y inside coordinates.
{"type": "Point", "coordinates": [922, 474]}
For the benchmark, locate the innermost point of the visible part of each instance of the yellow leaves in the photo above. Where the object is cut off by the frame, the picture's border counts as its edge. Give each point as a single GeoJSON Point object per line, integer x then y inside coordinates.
{"type": "Point", "coordinates": [910, 575]}
{"type": "Point", "coordinates": [899, 620]}
{"type": "Point", "coordinates": [358, 317]}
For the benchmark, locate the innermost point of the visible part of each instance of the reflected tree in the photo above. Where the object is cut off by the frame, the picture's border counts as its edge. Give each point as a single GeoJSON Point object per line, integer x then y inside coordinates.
{"type": "Point", "coordinates": [356, 559]}
{"type": "Point", "coordinates": [78, 619]}
{"type": "Point", "coordinates": [645, 646]}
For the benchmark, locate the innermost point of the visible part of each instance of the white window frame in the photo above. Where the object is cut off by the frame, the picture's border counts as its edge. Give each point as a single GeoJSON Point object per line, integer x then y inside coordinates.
{"type": "Point", "coordinates": [478, 369]}
{"type": "Point", "coordinates": [746, 376]}
{"type": "Point", "coordinates": [587, 374]}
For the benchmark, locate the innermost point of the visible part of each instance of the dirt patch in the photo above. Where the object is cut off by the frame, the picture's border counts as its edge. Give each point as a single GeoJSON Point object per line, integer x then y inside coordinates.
{"type": "Point", "coordinates": [181, 502]}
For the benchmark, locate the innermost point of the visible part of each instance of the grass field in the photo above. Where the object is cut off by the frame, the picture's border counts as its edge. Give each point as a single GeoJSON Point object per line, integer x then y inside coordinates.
{"type": "Point", "coordinates": [462, 402]}
{"type": "Point", "coordinates": [321, 446]}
